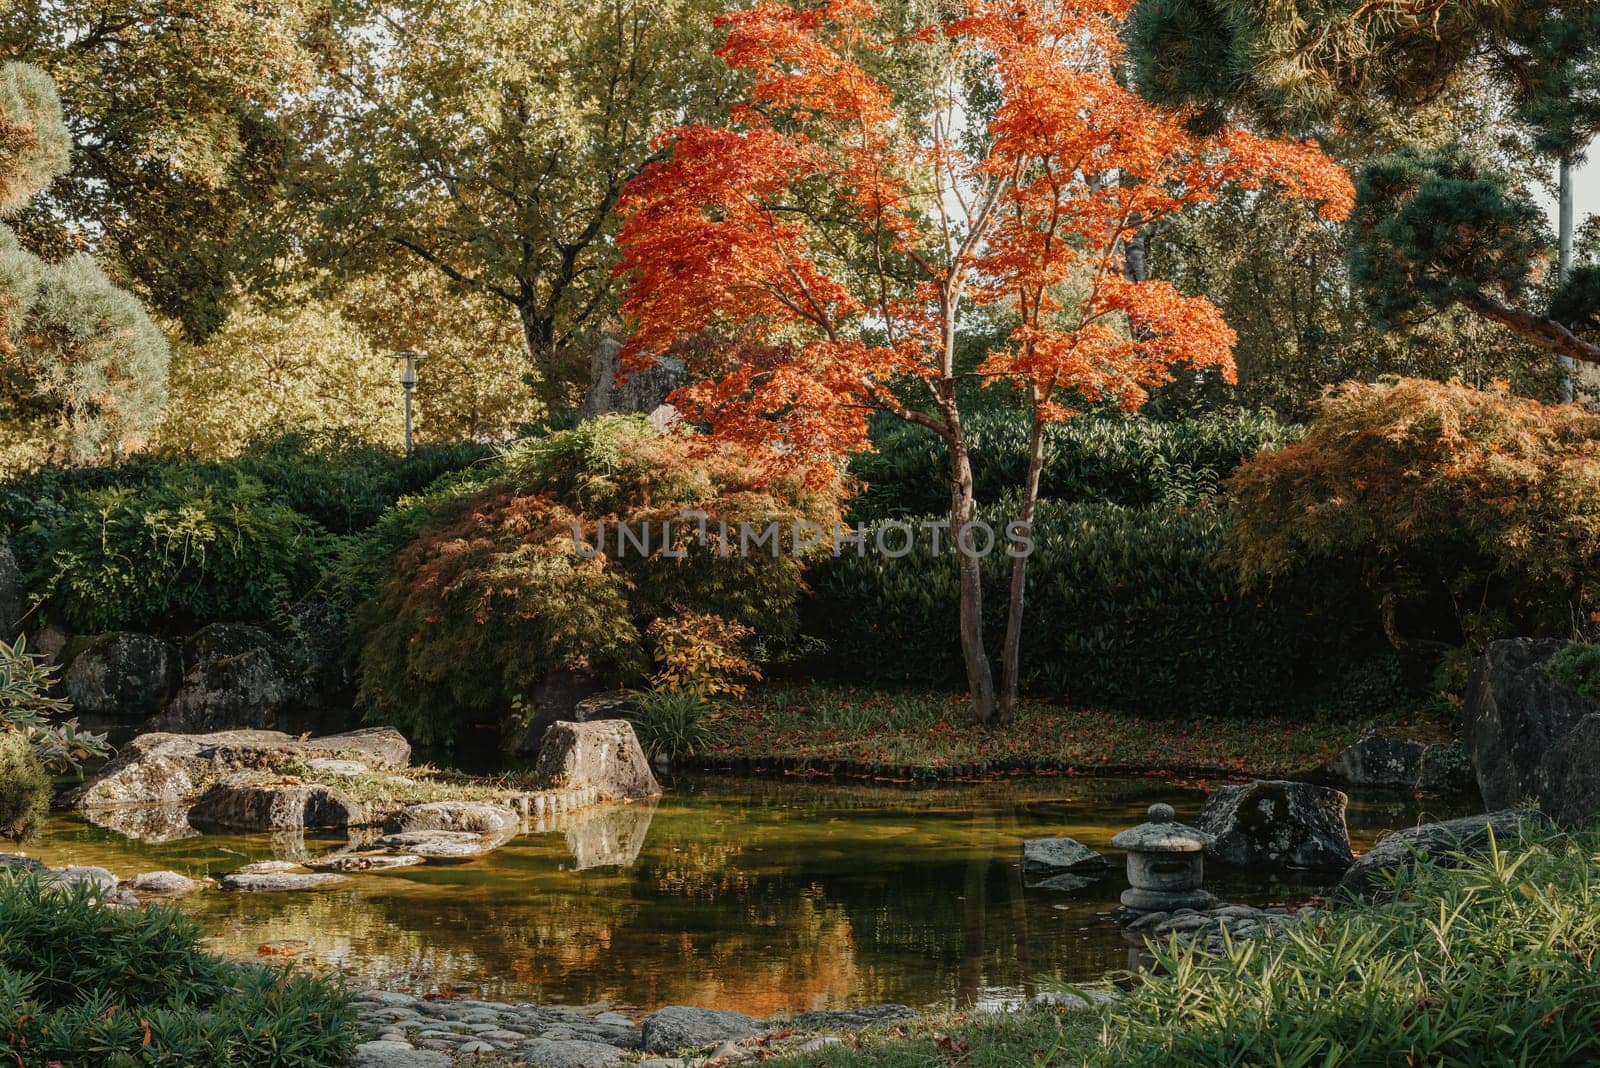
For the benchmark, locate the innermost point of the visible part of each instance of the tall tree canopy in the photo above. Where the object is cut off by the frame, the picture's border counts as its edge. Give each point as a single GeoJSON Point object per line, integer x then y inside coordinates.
{"type": "Point", "coordinates": [490, 142]}
{"type": "Point", "coordinates": [1452, 227]}
{"type": "Point", "coordinates": [845, 234]}
{"type": "Point", "coordinates": [175, 108]}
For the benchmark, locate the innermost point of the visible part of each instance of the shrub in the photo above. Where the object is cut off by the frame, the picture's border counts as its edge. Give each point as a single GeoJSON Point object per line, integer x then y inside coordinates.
{"type": "Point", "coordinates": [1127, 608]}
{"type": "Point", "coordinates": [671, 724]}
{"type": "Point", "coordinates": [177, 553]}
{"type": "Point", "coordinates": [491, 593]}
{"type": "Point", "coordinates": [24, 788]}
{"type": "Point", "coordinates": [26, 711]}
{"type": "Point", "coordinates": [84, 985]}
{"type": "Point", "coordinates": [1491, 962]}
{"type": "Point", "coordinates": [1476, 514]}
{"type": "Point", "coordinates": [1578, 665]}
{"type": "Point", "coordinates": [701, 654]}
{"type": "Point", "coordinates": [1113, 458]}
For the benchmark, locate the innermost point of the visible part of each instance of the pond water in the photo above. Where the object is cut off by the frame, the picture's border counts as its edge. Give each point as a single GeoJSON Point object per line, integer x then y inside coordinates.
{"type": "Point", "coordinates": [757, 895]}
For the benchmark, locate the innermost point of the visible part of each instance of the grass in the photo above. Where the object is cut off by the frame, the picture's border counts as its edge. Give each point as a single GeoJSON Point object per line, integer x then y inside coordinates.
{"type": "Point", "coordinates": [421, 784]}
{"type": "Point", "coordinates": [1033, 1038]}
{"type": "Point", "coordinates": [818, 724]}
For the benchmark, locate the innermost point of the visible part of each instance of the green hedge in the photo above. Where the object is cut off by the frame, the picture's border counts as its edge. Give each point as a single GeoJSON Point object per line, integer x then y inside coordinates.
{"type": "Point", "coordinates": [84, 985]}
{"type": "Point", "coordinates": [1127, 608]}
{"type": "Point", "coordinates": [1113, 458]}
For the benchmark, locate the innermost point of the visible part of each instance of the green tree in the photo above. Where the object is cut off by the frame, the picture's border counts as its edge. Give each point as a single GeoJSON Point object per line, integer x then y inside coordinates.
{"type": "Point", "coordinates": [83, 368]}
{"type": "Point", "coordinates": [177, 114]}
{"type": "Point", "coordinates": [1449, 224]}
{"type": "Point", "coordinates": [491, 143]}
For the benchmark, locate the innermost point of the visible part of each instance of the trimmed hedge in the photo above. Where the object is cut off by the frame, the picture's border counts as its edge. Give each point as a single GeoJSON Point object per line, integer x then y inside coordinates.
{"type": "Point", "coordinates": [1111, 458]}
{"type": "Point", "coordinates": [1128, 608]}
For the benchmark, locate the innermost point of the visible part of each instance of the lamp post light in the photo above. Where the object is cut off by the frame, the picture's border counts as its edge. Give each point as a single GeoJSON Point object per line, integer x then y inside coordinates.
{"type": "Point", "coordinates": [408, 382]}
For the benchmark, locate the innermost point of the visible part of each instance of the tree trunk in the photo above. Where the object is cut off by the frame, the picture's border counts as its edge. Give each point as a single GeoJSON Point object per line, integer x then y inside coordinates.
{"type": "Point", "coordinates": [1011, 656]}
{"type": "Point", "coordinates": [1564, 210]}
{"type": "Point", "coordinates": [980, 678]}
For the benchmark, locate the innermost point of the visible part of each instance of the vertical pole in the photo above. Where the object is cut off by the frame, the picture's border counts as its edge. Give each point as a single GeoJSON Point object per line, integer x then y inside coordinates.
{"type": "Point", "coordinates": [408, 388]}
{"type": "Point", "coordinates": [1564, 261]}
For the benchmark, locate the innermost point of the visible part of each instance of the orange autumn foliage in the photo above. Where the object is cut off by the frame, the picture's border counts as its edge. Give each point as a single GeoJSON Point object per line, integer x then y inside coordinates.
{"type": "Point", "coordinates": [843, 235]}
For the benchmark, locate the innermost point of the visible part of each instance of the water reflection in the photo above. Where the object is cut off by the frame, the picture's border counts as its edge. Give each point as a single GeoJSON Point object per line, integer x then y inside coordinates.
{"type": "Point", "coordinates": [761, 896]}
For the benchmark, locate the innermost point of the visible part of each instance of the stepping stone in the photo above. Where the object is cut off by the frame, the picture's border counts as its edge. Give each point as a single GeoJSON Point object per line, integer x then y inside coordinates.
{"type": "Point", "coordinates": [269, 882]}
{"type": "Point", "coordinates": [365, 862]}
{"type": "Point", "coordinates": [437, 845]}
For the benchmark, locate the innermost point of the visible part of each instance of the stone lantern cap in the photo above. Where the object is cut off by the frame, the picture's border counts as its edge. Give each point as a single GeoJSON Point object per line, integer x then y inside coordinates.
{"type": "Point", "coordinates": [1163, 834]}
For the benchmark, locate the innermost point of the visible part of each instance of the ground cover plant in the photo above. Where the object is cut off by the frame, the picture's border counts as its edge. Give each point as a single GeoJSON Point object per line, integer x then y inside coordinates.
{"type": "Point", "coordinates": [85, 985]}
{"type": "Point", "coordinates": [818, 724]}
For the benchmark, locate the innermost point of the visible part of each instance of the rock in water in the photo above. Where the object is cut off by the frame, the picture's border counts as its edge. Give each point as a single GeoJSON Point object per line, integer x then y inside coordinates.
{"type": "Point", "coordinates": [1529, 736]}
{"type": "Point", "coordinates": [177, 768]}
{"type": "Point", "coordinates": [235, 677]}
{"type": "Point", "coordinates": [163, 884]}
{"type": "Point", "coordinates": [1043, 857]}
{"type": "Point", "coordinates": [604, 754]}
{"type": "Point", "coordinates": [684, 1027]}
{"type": "Point", "coordinates": [261, 801]}
{"type": "Point", "coordinates": [438, 845]}
{"type": "Point", "coordinates": [1277, 824]}
{"type": "Point", "coordinates": [122, 674]}
{"type": "Point", "coordinates": [270, 883]}
{"type": "Point", "coordinates": [1435, 841]}
{"type": "Point", "coordinates": [491, 821]}
{"type": "Point", "coordinates": [1389, 763]}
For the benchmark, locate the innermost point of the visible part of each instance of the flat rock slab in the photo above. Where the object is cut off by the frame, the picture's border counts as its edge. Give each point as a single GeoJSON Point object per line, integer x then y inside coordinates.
{"type": "Point", "coordinates": [438, 845]}
{"type": "Point", "coordinates": [570, 1053]}
{"type": "Point", "coordinates": [348, 769]}
{"type": "Point", "coordinates": [99, 881]}
{"type": "Point", "coordinates": [477, 817]}
{"type": "Point", "coordinates": [271, 883]}
{"type": "Point", "coordinates": [1051, 856]}
{"type": "Point", "coordinates": [397, 1055]}
{"type": "Point", "coordinates": [1435, 841]}
{"type": "Point", "coordinates": [359, 862]}
{"type": "Point", "coordinates": [270, 867]}
{"type": "Point", "coordinates": [855, 1019]}
{"type": "Point", "coordinates": [685, 1027]}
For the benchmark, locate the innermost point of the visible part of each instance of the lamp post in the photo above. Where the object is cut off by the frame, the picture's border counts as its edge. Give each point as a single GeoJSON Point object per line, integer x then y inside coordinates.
{"type": "Point", "coordinates": [408, 382]}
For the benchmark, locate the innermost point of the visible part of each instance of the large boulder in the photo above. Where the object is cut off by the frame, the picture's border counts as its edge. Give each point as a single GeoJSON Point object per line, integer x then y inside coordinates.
{"type": "Point", "coordinates": [235, 677]}
{"type": "Point", "coordinates": [1529, 736]}
{"type": "Point", "coordinates": [263, 801]}
{"type": "Point", "coordinates": [604, 754]}
{"type": "Point", "coordinates": [177, 768]}
{"type": "Point", "coordinates": [562, 695]}
{"type": "Point", "coordinates": [679, 1027]}
{"type": "Point", "coordinates": [1379, 762]}
{"type": "Point", "coordinates": [1435, 841]}
{"type": "Point", "coordinates": [1277, 824]}
{"type": "Point", "coordinates": [121, 674]}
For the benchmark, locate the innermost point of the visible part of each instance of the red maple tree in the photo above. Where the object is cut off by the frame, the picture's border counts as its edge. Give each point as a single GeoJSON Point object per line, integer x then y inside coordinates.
{"type": "Point", "coordinates": [841, 234]}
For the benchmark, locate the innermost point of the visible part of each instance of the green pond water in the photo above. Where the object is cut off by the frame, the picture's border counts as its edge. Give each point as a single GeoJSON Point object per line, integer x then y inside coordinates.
{"type": "Point", "coordinates": [757, 895]}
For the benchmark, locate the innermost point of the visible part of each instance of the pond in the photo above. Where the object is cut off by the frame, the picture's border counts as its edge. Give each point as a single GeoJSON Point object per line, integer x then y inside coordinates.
{"type": "Point", "coordinates": [758, 895]}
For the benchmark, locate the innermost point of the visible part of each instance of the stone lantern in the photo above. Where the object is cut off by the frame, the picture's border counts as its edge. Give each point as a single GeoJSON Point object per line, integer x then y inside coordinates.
{"type": "Point", "coordinates": [1166, 864]}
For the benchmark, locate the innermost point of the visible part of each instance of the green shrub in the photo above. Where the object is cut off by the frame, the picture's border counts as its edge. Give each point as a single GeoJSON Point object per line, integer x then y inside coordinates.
{"type": "Point", "coordinates": [82, 985]}
{"type": "Point", "coordinates": [1476, 514]}
{"type": "Point", "coordinates": [177, 554]}
{"type": "Point", "coordinates": [1578, 665]}
{"type": "Point", "coordinates": [27, 711]}
{"type": "Point", "coordinates": [1113, 458]}
{"type": "Point", "coordinates": [483, 592]}
{"type": "Point", "coordinates": [24, 788]}
{"type": "Point", "coordinates": [671, 724]}
{"type": "Point", "coordinates": [1492, 962]}
{"type": "Point", "coordinates": [1126, 608]}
